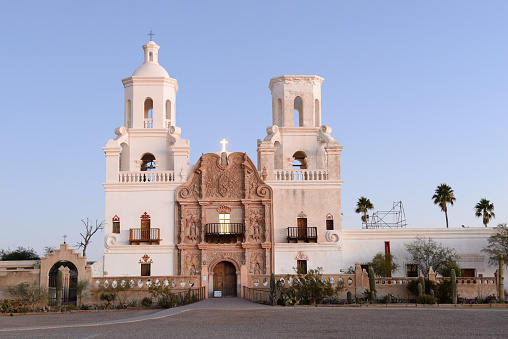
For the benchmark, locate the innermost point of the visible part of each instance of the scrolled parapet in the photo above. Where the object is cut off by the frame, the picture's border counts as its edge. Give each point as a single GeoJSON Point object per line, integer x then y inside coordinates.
{"type": "Point", "coordinates": [120, 130]}
{"type": "Point", "coordinates": [332, 236]}
{"type": "Point", "coordinates": [109, 240]}
{"type": "Point", "coordinates": [175, 131]}
{"type": "Point", "coordinates": [273, 136]}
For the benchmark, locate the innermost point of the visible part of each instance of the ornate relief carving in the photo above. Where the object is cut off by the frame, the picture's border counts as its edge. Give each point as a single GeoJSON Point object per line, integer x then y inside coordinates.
{"type": "Point", "coordinates": [301, 256]}
{"type": "Point", "coordinates": [257, 262]}
{"type": "Point", "coordinates": [192, 263]}
{"type": "Point", "coordinates": [145, 216]}
{"type": "Point", "coordinates": [256, 224]}
{"type": "Point", "coordinates": [302, 215]}
{"type": "Point", "coordinates": [224, 209]}
{"type": "Point", "coordinates": [145, 260]}
{"type": "Point", "coordinates": [233, 255]}
{"type": "Point", "coordinates": [116, 218]}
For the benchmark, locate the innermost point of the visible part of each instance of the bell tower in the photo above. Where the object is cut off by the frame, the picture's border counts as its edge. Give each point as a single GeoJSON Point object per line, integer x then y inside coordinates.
{"type": "Point", "coordinates": [300, 160]}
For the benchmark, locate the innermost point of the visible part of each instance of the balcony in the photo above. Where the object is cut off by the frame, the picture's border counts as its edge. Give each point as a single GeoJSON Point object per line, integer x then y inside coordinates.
{"type": "Point", "coordinates": [217, 233]}
{"type": "Point", "coordinates": [146, 177]}
{"type": "Point", "coordinates": [305, 234]}
{"type": "Point", "coordinates": [301, 175]}
{"type": "Point", "coordinates": [149, 235]}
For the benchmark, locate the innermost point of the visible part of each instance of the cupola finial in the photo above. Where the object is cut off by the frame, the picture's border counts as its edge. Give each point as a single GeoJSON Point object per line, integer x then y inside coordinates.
{"type": "Point", "coordinates": [151, 34]}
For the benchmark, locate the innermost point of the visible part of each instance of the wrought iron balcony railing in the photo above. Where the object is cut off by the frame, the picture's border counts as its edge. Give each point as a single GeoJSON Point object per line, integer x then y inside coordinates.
{"type": "Point", "coordinates": [139, 235]}
{"type": "Point", "coordinates": [302, 233]}
{"type": "Point", "coordinates": [225, 229]}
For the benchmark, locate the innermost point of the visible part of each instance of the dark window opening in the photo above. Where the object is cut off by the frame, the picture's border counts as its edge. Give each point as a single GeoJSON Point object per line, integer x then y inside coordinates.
{"type": "Point", "coordinates": [329, 225]}
{"type": "Point", "coordinates": [148, 162]}
{"type": "Point", "coordinates": [412, 270]}
{"type": "Point", "coordinates": [301, 266]}
{"type": "Point", "coordinates": [145, 270]}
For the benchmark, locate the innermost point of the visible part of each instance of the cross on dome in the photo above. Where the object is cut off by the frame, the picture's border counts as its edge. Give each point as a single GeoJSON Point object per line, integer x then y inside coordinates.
{"type": "Point", "coordinates": [151, 34]}
{"type": "Point", "coordinates": [224, 142]}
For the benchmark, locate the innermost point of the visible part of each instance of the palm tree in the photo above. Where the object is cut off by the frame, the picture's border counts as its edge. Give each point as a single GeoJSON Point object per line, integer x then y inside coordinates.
{"type": "Point", "coordinates": [363, 206]}
{"type": "Point", "coordinates": [486, 209]}
{"type": "Point", "coordinates": [442, 196]}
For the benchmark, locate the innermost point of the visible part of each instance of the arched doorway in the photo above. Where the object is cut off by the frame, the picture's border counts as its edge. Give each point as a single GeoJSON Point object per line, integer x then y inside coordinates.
{"type": "Point", "coordinates": [69, 287]}
{"type": "Point", "coordinates": [224, 279]}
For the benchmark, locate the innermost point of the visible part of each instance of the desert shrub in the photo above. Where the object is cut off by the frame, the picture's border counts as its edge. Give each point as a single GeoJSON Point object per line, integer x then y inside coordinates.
{"type": "Point", "coordinates": [308, 289]}
{"type": "Point", "coordinates": [147, 302]}
{"type": "Point", "coordinates": [6, 306]}
{"type": "Point", "coordinates": [426, 299]}
{"type": "Point", "coordinates": [108, 298]}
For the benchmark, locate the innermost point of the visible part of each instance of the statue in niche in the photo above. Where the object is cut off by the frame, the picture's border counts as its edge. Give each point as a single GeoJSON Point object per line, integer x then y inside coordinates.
{"type": "Point", "coordinates": [192, 231]}
{"type": "Point", "coordinates": [256, 222]}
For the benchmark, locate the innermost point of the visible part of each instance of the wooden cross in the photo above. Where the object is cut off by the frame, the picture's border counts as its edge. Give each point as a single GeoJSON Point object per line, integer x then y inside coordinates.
{"type": "Point", "coordinates": [65, 237]}
{"type": "Point", "coordinates": [151, 34]}
{"type": "Point", "coordinates": [224, 142]}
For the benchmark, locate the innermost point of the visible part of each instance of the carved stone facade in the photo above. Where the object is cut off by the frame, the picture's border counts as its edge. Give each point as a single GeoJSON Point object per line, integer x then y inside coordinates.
{"type": "Point", "coordinates": [234, 189]}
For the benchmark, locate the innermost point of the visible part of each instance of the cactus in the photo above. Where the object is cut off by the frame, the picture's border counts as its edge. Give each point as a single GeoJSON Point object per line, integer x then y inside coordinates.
{"type": "Point", "coordinates": [501, 278]}
{"type": "Point", "coordinates": [349, 297]}
{"type": "Point", "coordinates": [420, 289]}
{"type": "Point", "coordinates": [432, 293]}
{"type": "Point", "coordinates": [59, 289]}
{"type": "Point", "coordinates": [373, 296]}
{"type": "Point", "coordinates": [272, 288]}
{"type": "Point", "coordinates": [421, 280]}
{"type": "Point", "coordinates": [453, 278]}
{"type": "Point", "coordinates": [372, 280]}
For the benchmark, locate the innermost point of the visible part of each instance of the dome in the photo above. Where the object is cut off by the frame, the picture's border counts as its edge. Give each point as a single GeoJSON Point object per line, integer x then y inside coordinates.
{"type": "Point", "coordinates": [150, 69]}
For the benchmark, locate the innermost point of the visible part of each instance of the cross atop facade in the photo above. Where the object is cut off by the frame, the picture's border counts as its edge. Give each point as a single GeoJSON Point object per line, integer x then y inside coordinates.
{"type": "Point", "coordinates": [224, 142]}
{"type": "Point", "coordinates": [65, 237]}
{"type": "Point", "coordinates": [151, 34]}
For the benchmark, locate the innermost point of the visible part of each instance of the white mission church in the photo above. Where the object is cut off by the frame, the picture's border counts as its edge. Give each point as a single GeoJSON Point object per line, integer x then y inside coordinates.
{"type": "Point", "coordinates": [226, 218]}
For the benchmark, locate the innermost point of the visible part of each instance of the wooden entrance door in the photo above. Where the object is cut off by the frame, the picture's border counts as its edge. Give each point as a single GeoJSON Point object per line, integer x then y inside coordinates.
{"type": "Point", "coordinates": [302, 228]}
{"type": "Point", "coordinates": [224, 279]}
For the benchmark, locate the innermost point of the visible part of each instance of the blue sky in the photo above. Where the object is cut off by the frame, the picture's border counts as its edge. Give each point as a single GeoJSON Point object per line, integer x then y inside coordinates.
{"type": "Point", "coordinates": [415, 92]}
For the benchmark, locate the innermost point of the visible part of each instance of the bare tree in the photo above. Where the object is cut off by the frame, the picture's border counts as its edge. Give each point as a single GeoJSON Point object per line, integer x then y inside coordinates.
{"type": "Point", "coordinates": [90, 230]}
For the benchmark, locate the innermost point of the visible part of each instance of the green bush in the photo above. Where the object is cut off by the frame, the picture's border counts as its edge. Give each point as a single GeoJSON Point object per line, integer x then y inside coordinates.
{"type": "Point", "coordinates": [108, 298]}
{"type": "Point", "coordinates": [444, 292]}
{"type": "Point", "coordinates": [426, 299]}
{"type": "Point", "coordinates": [413, 286]}
{"type": "Point", "coordinates": [147, 302]}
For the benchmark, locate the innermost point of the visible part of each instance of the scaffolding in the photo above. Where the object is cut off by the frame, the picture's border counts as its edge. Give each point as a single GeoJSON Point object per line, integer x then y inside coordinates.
{"type": "Point", "coordinates": [394, 218]}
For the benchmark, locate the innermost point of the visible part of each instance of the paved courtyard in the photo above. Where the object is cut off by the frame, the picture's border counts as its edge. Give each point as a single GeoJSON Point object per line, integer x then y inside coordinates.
{"type": "Point", "coordinates": [237, 318]}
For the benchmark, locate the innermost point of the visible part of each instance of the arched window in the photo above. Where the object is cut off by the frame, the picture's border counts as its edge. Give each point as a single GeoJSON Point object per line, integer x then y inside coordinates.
{"type": "Point", "coordinates": [148, 162]}
{"type": "Point", "coordinates": [150, 57]}
{"type": "Point", "coordinates": [116, 224]}
{"type": "Point", "coordinates": [278, 158]}
{"type": "Point", "coordinates": [148, 113]}
{"type": "Point", "coordinates": [298, 107]}
{"type": "Point", "coordinates": [317, 114]}
{"type": "Point", "coordinates": [299, 161]}
{"type": "Point", "coordinates": [168, 113]}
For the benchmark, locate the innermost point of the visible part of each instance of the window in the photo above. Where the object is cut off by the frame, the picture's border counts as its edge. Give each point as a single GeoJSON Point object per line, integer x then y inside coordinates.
{"type": "Point", "coordinates": [329, 222]}
{"type": "Point", "coordinates": [301, 266]}
{"type": "Point", "coordinates": [298, 110]}
{"type": "Point", "coordinates": [145, 270]}
{"type": "Point", "coordinates": [148, 113]}
{"type": "Point", "coordinates": [468, 272]}
{"type": "Point", "coordinates": [412, 270]}
{"type": "Point", "coordinates": [225, 223]}
{"type": "Point", "coordinates": [365, 267]}
{"type": "Point", "coordinates": [148, 162]}
{"type": "Point", "coordinates": [116, 224]}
